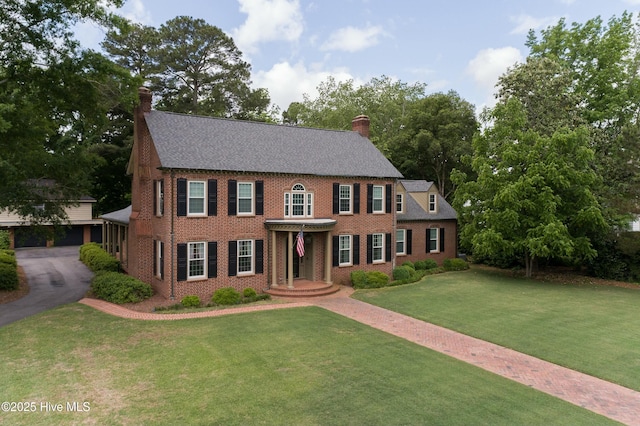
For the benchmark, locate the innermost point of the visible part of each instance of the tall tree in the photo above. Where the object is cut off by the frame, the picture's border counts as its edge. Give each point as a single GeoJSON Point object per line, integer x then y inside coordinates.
{"type": "Point", "coordinates": [53, 96]}
{"type": "Point", "coordinates": [201, 69]}
{"type": "Point", "coordinates": [533, 197]}
{"type": "Point", "coordinates": [132, 46]}
{"type": "Point", "coordinates": [437, 134]}
{"type": "Point", "coordinates": [603, 61]}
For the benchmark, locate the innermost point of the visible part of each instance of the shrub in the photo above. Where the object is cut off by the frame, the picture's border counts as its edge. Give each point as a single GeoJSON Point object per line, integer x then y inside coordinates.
{"type": "Point", "coordinates": [402, 272]}
{"type": "Point", "coordinates": [409, 264]}
{"type": "Point", "coordinates": [455, 265]}
{"type": "Point", "coordinates": [8, 277]}
{"type": "Point", "coordinates": [376, 279]}
{"type": "Point", "coordinates": [119, 288]}
{"type": "Point", "coordinates": [4, 240]}
{"type": "Point", "coordinates": [7, 258]}
{"type": "Point", "coordinates": [425, 265]}
{"type": "Point", "coordinates": [359, 279]}
{"type": "Point", "coordinates": [249, 293]}
{"type": "Point", "coordinates": [226, 296]}
{"type": "Point", "coordinates": [97, 259]}
{"type": "Point", "coordinates": [191, 301]}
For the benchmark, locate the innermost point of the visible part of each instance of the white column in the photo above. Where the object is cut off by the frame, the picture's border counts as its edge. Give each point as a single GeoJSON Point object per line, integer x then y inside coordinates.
{"type": "Point", "coordinates": [327, 258]}
{"type": "Point", "coordinates": [274, 262]}
{"type": "Point", "coordinates": [290, 259]}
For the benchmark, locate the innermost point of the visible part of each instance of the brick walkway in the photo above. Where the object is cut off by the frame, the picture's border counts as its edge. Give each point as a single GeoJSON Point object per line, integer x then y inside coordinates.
{"type": "Point", "coordinates": [602, 397]}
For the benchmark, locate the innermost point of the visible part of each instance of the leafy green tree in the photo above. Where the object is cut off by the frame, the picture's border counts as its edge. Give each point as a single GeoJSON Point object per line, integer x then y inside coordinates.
{"type": "Point", "coordinates": [53, 99]}
{"type": "Point", "coordinates": [437, 134]}
{"type": "Point", "coordinates": [383, 100]}
{"type": "Point", "coordinates": [533, 197]}
{"type": "Point", "coordinates": [132, 46]}
{"type": "Point", "coordinates": [602, 61]}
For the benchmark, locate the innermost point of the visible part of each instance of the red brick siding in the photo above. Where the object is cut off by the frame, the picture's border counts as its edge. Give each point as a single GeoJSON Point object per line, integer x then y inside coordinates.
{"type": "Point", "coordinates": [419, 241]}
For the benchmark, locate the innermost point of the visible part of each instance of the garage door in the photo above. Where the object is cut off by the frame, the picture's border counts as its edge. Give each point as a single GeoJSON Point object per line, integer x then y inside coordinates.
{"type": "Point", "coordinates": [25, 237]}
{"type": "Point", "coordinates": [73, 236]}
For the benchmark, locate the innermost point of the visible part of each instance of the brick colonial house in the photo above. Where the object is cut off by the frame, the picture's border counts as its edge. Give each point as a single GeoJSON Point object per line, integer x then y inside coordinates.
{"type": "Point", "coordinates": [220, 203]}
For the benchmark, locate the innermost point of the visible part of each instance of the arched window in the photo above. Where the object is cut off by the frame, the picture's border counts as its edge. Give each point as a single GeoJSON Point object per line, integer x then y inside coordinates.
{"type": "Point", "coordinates": [298, 202]}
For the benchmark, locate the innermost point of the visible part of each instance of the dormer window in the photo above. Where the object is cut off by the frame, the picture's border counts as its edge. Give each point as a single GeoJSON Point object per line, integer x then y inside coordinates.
{"type": "Point", "coordinates": [298, 203]}
{"type": "Point", "coordinates": [433, 205]}
{"type": "Point", "coordinates": [399, 203]}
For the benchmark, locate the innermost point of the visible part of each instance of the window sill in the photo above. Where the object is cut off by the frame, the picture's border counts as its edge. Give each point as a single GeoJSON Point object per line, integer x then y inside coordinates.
{"type": "Point", "coordinates": [245, 274]}
{"type": "Point", "coordinates": [194, 279]}
{"type": "Point", "coordinates": [345, 265]}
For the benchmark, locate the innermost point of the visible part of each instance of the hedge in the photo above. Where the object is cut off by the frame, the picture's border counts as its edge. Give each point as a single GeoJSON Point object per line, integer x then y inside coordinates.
{"type": "Point", "coordinates": [118, 288]}
{"type": "Point", "coordinates": [97, 259]}
{"type": "Point", "coordinates": [371, 279]}
{"type": "Point", "coordinates": [8, 257]}
{"type": "Point", "coordinates": [226, 296]}
{"type": "Point", "coordinates": [456, 264]}
{"type": "Point", "coordinates": [8, 277]}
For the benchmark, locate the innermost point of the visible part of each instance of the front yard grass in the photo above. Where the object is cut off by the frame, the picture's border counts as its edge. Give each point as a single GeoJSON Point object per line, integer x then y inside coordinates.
{"type": "Point", "coordinates": [303, 366]}
{"type": "Point", "coordinates": [590, 328]}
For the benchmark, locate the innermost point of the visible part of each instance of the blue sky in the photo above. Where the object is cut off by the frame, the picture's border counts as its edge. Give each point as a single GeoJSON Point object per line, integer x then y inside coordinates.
{"type": "Point", "coordinates": [293, 45]}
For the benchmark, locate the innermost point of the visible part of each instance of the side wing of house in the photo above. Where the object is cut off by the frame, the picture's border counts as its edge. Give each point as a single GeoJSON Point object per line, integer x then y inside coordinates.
{"type": "Point", "coordinates": [426, 223]}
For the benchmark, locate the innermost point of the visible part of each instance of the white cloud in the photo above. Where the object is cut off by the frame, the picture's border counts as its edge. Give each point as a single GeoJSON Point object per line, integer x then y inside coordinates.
{"type": "Point", "coordinates": [352, 39]}
{"type": "Point", "coordinates": [632, 2]}
{"type": "Point", "coordinates": [136, 11]}
{"type": "Point", "coordinates": [268, 20]}
{"type": "Point", "coordinates": [524, 23]}
{"type": "Point", "coordinates": [488, 65]}
{"type": "Point", "coordinates": [287, 83]}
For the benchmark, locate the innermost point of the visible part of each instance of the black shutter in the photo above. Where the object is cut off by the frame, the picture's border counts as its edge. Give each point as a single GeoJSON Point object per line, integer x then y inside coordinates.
{"type": "Point", "coordinates": [182, 196]}
{"type": "Point", "coordinates": [408, 241]}
{"type": "Point", "coordinates": [259, 259]}
{"type": "Point", "coordinates": [182, 262]}
{"type": "Point", "coordinates": [336, 250]}
{"type": "Point", "coordinates": [212, 259]}
{"type": "Point", "coordinates": [428, 240]}
{"type": "Point", "coordinates": [155, 258]}
{"type": "Point", "coordinates": [232, 191]}
{"type": "Point", "coordinates": [233, 258]}
{"type": "Point", "coordinates": [369, 198]}
{"type": "Point", "coordinates": [441, 240]}
{"type": "Point", "coordinates": [369, 248]}
{"type": "Point", "coordinates": [356, 198]}
{"type": "Point", "coordinates": [336, 198]}
{"type": "Point", "coordinates": [212, 193]}
{"type": "Point", "coordinates": [161, 260]}
{"type": "Point", "coordinates": [388, 192]}
{"type": "Point", "coordinates": [356, 249]}
{"type": "Point", "coordinates": [259, 198]}
{"type": "Point", "coordinates": [154, 208]}
{"type": "Point", "coordinates": [387, 248]}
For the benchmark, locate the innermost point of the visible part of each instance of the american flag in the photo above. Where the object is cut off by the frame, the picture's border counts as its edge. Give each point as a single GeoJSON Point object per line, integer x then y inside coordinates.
{"type": "Point", "coordinates": [300, 244]}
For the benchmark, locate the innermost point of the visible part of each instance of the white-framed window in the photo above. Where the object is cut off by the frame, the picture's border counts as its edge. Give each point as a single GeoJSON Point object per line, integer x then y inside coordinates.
{"type": "Point", "coordinates": [159, 258]}
{"type": "Point", "coordinates": [345, 250]}
{"type": "Point", "coordinates": [159, 197]}
{"type": "Point", "coordinates": [345, 199]}
{"type": "Point", "coordinates": [401, 238]}
{"type": "Point", "coordinates": [377, 248]}
{"type": "Point", "coordinates": [245, 257]}
{"type": "Point", "coordinates": [378, 199]}
{"type": "Point", "coordinates": [245, 198]}
{"type": "Point", "coordinates": [298, 202]}
{"type": "Point", "coordinates": [196, 260]}
{"type": "Point", "coordinates": [433, 237]}
{"type": "Point", "coordinates": [433, 204]}
{"type": "Point", "coordinates": [399, 203]}
{"type": "Point", "coordinates": [195, 197]}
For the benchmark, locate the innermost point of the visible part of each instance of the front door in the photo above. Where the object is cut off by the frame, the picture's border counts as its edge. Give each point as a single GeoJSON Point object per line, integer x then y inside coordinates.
{"type": "Point", "coordinates": [302, 266]}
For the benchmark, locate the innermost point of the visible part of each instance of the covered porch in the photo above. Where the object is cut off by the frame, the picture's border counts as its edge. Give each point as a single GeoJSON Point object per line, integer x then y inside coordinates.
{"type": "Point", "coordinates": [289, 271]}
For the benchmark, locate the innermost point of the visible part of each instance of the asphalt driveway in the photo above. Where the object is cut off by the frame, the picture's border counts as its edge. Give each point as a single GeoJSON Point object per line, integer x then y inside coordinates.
{"type": "Point", "coordinates": [55, 277]}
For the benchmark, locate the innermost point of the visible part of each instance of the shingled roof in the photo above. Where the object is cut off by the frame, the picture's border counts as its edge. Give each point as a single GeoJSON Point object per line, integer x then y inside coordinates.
{"type": "Point", "coordinates": [414, 211]}
{"type": "Point", "coordinates": [206, 143]}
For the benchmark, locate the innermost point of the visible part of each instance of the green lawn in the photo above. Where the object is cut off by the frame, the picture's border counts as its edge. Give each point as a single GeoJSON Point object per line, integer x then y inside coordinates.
{"type": "Point", "coordinates": [593, 329]}
{"type": "Point", "coordinates": [303, 366]}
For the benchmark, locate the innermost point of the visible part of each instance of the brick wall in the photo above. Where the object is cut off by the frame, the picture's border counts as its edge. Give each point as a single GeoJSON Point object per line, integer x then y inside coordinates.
{"type": "Point", "coordinates": [419, 241]}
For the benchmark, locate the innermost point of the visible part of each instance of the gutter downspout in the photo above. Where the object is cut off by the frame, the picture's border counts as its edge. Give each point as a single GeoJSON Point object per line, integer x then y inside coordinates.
{"type": "Point", "coordinates": [172, 234]}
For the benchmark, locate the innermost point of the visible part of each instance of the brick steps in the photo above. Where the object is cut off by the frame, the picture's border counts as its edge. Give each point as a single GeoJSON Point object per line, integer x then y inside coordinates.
{"type": "Point", "coordinates": [303, 288]}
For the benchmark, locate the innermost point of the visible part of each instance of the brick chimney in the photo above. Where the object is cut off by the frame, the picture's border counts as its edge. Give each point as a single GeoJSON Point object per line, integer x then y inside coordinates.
{"type": "Point", "coordinates": [145, 99]}
{"type": "Point", "coordinates": [360, 124]}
